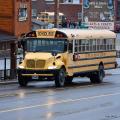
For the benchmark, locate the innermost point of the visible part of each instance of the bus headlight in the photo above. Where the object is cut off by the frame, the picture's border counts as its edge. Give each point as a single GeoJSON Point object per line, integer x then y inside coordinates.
{"type": "Point", "coordinates": [52, 67]}
{"type": "Point", "coordinates": [21, 67]}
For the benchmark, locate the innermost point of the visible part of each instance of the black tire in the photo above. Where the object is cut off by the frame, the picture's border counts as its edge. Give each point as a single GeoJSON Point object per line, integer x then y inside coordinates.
{"type": "Point", "coordinates": [93, 78]}
{"type": "Point", "coordinates": [60, 78]}
{"type": "Point", "coordinates": [68, 80]}
{"type": "Point", "coordinates": [22, 82]}
{"type": "Point", "coordinates": [98, 76]}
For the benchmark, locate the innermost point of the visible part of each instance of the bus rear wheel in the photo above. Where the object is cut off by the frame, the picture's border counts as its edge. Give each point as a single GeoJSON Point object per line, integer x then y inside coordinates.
{"type": "Point", "coordinates": [98, 76]}
{"type": "Point", "coordinates": [60, 78]}
{"type": "Point", "coordinates": [22, 82]}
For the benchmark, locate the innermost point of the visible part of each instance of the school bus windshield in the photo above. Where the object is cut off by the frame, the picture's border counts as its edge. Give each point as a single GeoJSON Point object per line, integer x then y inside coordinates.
{"type": "Point", "coordinates": [46, 45]}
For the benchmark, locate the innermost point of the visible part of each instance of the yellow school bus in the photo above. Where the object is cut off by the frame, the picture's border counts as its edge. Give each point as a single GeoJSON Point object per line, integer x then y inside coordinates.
{"type": "Point", "coordinates": [61, 54]}
{"type": "Point", "coordinates": [49, 17]}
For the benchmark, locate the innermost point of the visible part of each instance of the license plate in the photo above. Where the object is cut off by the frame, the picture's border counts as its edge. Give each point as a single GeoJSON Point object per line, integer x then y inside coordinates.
{"type": "Point", "coordinates": [35, 77]}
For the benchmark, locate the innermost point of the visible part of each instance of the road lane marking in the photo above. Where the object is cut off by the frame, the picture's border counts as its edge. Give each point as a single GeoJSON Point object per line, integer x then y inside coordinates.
{"type": "Point", "coordinates": [59, 102]}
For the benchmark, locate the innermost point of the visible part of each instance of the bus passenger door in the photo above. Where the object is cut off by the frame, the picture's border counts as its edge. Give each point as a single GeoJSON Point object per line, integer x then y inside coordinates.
{"type": "Point", "coordinates": [71, 61]}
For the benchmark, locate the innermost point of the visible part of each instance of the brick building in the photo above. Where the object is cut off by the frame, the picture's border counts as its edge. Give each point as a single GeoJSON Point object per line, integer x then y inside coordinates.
{"type": "Point", "coordinates": [15, 16]}
{"type": "Point", "coordinates": [117, 15]}
{"type": "Point", "coordinates": [71, 9]}
{"type": "Point", "coordinates": [15, 19]}
{"type": "Point", "coordinates": [99, 14]}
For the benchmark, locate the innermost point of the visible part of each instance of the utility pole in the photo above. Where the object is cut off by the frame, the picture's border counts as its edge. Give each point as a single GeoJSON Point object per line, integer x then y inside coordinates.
{"type": "Point", "coordinates": [115, 6]}
{"type": "Point", "coordinates": [56, 13]}
{"type": "Point", "coordinates": [82, 10]}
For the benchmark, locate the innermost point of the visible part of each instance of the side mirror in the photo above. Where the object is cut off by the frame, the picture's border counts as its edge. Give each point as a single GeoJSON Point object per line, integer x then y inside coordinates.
{"type": "Point", "coordinates": [23, 43]}
{"type": "Point", "coordinates": [19, 44]}
{"type": "Point", "coordinates": [20, 61]}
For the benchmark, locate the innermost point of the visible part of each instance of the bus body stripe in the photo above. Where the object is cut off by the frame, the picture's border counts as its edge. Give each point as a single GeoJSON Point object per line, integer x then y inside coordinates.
{"type": "Point", "coordinates": [96, 52]}
{"type": "Point", "coordinates": [70, 67]}
{"type": "Point", "coordinates": [81, 59]}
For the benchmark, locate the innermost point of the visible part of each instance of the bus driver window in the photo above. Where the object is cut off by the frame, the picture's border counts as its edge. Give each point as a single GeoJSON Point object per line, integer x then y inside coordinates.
{"type": "Point", "coordinates": [70, 46]}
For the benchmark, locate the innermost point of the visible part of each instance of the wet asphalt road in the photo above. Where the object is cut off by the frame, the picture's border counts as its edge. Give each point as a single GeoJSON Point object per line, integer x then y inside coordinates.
{"type": "Point", "coordinates": [79, 101]}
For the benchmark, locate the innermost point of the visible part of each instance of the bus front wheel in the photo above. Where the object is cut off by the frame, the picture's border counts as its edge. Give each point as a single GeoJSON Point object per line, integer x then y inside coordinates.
{"type": "Point", "coordinates": [22, 82]}
{"type": "Point", "coordinates": [60, 78]}
{"type": "Point", "coordinates": [98, 76]}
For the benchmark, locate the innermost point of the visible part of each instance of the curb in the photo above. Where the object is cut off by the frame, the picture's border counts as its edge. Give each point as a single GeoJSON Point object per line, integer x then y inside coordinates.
{"type": "Point", "coordinates": [108, 74]}
{"type": "Point", "coordinates": [8, 82]}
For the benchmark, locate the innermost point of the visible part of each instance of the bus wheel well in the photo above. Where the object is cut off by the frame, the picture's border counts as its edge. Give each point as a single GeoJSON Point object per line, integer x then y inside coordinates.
{"type": "Point", "coordinates": [63, 67]}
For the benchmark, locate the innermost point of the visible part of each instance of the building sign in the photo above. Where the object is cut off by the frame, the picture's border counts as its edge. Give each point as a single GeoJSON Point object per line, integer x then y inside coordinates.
{"type": "Point", "coordinates": [101, 25]}
{"type": "Point", "coordinates": [98, 3]}
{"type": "Point", "coordinates": [98, 10]}
{"type": "Point", "coordinates": [99, 14]}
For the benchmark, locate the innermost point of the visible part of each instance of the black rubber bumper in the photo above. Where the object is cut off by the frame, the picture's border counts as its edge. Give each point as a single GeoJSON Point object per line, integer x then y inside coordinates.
{"type": "Point", "coordinates": [26, 71]}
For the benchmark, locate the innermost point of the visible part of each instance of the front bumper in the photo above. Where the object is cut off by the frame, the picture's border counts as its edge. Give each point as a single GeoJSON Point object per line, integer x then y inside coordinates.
{"type": "Point", "coordinates": [41, 73]}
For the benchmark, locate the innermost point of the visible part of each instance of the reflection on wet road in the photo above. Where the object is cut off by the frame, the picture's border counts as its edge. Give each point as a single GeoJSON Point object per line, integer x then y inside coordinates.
{"type": "Point", "coordinates": [81, 100]}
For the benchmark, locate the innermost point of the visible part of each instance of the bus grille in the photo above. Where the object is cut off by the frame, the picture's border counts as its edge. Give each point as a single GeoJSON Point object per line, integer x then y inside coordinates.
{"type": "Point", "coordinates": [30, 64]}
{"type": "Point", "coordinates": [40, 63]}
{"type": "Point", "coordinates": [35, 64]}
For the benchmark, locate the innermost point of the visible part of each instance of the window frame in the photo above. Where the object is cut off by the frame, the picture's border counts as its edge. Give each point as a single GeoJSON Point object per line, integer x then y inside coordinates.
{"type": "Point", "coordinates": [22, 16]}
{"type": "Point", "coordinates": [86, 45]}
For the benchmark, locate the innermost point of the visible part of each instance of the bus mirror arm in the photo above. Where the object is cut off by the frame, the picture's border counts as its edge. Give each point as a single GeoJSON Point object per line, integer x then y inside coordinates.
{"type": "Point", "coordinates": [54, 53]}
{"type": "Point", "coordinates": [19, 44]}
{"type": "Point", "coordinates": [58, 57]}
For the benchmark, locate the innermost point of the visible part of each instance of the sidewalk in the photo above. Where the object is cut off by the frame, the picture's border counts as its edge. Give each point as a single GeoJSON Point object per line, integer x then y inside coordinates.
{"type": "Point", "coordinates": [6, 82]}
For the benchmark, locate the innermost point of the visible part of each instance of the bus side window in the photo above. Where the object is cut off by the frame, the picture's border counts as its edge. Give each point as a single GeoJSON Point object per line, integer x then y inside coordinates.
{"type": "Point", "coordinates": [107, 44]}
{"type": "Point", "coordinates": [87, 45]}
{"type": "Point", "coordinates": [101, 44]}
{"type": "Point", "coordinates": [91, 44]}
{"type": "Point", "coordinates": [94, 44]}
{"type": "Point", "coordinates": [70, 47]}
{"type": "Point", "coordinates": [104, 44]}
{"type": "Point", "coordinates": [66, 45]}
{"type": "Point", "coordinates": [82, 45]}
{"type": "Point", "coordinates": [76, 45]}
{"type": "Point", "coordinates": [80, 49]}
{"type": "Point", "coordinates": [113, 44]}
